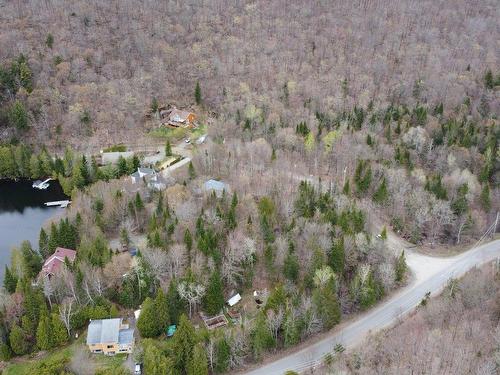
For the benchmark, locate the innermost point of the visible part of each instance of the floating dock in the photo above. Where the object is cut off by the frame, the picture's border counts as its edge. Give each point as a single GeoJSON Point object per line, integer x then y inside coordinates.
{"type": "Point", "coordinates": [62, 204]}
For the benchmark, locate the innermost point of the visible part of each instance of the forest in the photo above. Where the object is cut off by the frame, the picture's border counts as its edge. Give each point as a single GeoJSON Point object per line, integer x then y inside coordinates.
{"type": "Point", "coordinates": [331, 125]}
{"type": "Point", "coordinates": [465, 316]}
{"type": "Point", "coordinates": [95, 67]}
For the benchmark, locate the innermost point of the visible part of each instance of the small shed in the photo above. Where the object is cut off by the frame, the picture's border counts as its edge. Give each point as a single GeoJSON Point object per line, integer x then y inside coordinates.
{"type": "Point", "coordinates": [234, 300]}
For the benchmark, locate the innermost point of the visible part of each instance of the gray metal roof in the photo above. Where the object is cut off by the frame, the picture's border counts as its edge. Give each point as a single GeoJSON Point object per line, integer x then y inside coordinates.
{"type": "Point", "coordinates": [103, 331]}
{"type": "Point", "coordinates": [126, 336]}
{"type": "Point", "coordinates": [215, 185]}
{"type": "Point", "coordinates": [145, 170]}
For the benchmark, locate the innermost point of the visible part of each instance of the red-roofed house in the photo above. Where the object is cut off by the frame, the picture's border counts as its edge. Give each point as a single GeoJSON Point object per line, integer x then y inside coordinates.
{"type": "Point", "coordinates": [53, 264]}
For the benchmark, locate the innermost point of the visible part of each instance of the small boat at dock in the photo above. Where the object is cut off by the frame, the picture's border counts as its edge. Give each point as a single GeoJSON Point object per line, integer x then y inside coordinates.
{"type": "Point", "coordinates": [41, 185]}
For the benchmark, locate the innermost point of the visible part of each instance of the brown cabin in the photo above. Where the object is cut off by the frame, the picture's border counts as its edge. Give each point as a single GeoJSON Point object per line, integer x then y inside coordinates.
{"type": "Point", "coordinates": [178, 118]}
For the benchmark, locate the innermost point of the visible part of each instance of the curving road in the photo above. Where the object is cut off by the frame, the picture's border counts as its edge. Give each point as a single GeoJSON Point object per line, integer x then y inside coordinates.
{"type": "Point", "coordinates": [384, 315]}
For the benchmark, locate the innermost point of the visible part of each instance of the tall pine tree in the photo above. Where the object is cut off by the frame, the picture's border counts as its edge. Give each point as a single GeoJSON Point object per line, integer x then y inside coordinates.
{"type": "Point", "coordinates": [43, 243]}
{"type": "Point", "coordinates": [183, 344]}
{"type": "Point", "coordinates": [400, 268]}
{"type": "Point", "coordinates": [148, 324]}
{"type": "Point", "coordinates": [18, 340]}
{"type": "Point", "coordinates": [59, 331]}
{"type": "Point", "coordinates": [198, 364]}
{"type": "Point", "coordinates": [197, 93]}
{"type": "Point", "coordinates": [162, 312]}
{"type": "Point", "coordinates": [213, 301]}
{"type": "Point", "coordinates": [9, 280]}
{"type": "Point", "coordinates": [337, 256]}
{"type": "Point", "coordinates": [381, 194]}
{"type": "Point", "coordinates": [175, 305]}
{"type": "Point", "coordinates": [168, 149]}
{"type": "Point", "coordinates": [44, 330]}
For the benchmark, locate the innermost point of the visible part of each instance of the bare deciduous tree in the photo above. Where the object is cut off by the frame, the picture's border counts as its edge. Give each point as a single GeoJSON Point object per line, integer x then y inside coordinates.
{"type": "Point", "coordinates": [192, 293]}
{"type": "Point", "coordinates": [66, 311]}
{"type": "Point", "coordinates": [239, 251]}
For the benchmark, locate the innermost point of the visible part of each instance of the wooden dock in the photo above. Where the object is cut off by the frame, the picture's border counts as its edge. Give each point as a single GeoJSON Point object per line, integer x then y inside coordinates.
{"type": "Point", "coordinates": [62, 204]}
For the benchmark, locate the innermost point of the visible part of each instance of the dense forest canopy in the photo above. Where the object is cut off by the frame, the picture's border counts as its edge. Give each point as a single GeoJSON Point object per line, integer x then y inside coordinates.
{"type": "Point", "coordinates": [339, 130]}
{"type": "Point", "coordinates": [97, 65]}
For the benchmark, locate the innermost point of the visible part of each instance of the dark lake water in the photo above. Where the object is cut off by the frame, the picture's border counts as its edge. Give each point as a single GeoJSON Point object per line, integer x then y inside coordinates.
{"type": "Point", "coordinates": [22, 214]}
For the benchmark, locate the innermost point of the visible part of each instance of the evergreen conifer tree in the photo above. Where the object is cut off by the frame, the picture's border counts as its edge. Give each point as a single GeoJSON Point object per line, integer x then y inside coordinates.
{"type": "Point", "coordinates": [156, 363]}
{"type": "Point", "coordinates": [488, 80]}
{"type": "Point", "coordinates": [198, 364]}
{"type": "Point", "coordinates": [32, 262]}
{"type": "Point", "coordinates": [162, 311]}
{"type": "Point", "coordinates": [44, 330]}
{"type": "Point", "coordinates": [223, 354]}
{"type": "Point", "coordinates": [400, 268]}
{"type": "Point", "coordinates": [191, 171]}
{"type": "Point", "coordinates": [213, 301]}
{"type": "Point", "coordinates": [188, 240]}
{"type": "Point", "coordinates": [381, 194]}
{"type": "Point", "coordinates": [139, 205]}
{"type": "Point", "coordinates": [59, 331]}
{"type": "Point", "coordinates": [383, 234]}
{"type": "Point", "coordinates": [9, 280]}
{"type": "Point", "coordinates": [197, 93]}
{"type": "Point", "coordinates": [484, 198]}
{"type": "Point", "coordinates": [43, 243]}
{"type": "Point", "coordinates": [18, 340]}
{"type": "Point", "coordinates": [337, 256]}
{"type": "Point", "coordinates": [53, 239]}
{"type": "Point", "coordinates": [168, 148]}
{"type": "Point", "coordinates": [175, 304]}
{"type": "Point", "coordinates": [122, 166]}
{"type": "Point", "coordinates": [261, 337]}
{"type": "Point", "coordinates": [148, 324]}
{"type": "Point", "coordinates": [291, 267]}
{"type": "Point", "coordinates": [183, 343]}
{"type": "Point", "coordinates": [325, 297]}
{"type": "Point", "coordinates": [84, 170]}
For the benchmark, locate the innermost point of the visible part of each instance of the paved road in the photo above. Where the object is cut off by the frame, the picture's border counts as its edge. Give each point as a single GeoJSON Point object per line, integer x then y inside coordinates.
{"type": "Point", "coordinates": [384, 315]}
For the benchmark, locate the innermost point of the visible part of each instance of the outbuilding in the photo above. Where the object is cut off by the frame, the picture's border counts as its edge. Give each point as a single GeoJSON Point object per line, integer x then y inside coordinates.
{"type": "Point", "coordinates": [234, 300]}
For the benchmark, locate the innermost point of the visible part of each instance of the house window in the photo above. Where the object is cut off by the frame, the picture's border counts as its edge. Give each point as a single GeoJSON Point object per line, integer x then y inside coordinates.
{"type": "Point", "coordinates": [98, 351]}
{"type": "Point", "coordinates": [110, 346]}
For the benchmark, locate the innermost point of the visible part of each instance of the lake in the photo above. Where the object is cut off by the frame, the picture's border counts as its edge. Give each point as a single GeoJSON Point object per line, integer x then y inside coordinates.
{"type": "Point", "coordinates": [22, 214]}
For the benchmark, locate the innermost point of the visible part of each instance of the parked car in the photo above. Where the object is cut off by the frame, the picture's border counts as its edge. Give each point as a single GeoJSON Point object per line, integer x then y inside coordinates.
{"type": "Point", "coordinates": [138, 369]}
{"type": "Point", "coordinates": [187, 140]}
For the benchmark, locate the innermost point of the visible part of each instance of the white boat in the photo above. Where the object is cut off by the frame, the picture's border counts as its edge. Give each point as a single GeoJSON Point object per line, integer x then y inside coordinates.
{"type": "Point", "coordinates": [41, 185]}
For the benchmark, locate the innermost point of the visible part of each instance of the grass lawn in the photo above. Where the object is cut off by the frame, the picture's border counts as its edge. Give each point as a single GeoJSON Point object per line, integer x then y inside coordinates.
{"type": "Point", "coordinates": [109, 361]}
{"type": "Point", "coordinates": [170, 134]}
{"type": "Point", "coordinates": [198, 132]}
{"type": "Point", "coordinates": [174, 135]}
{"type": "Point", "coordinates": [23, 366]}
